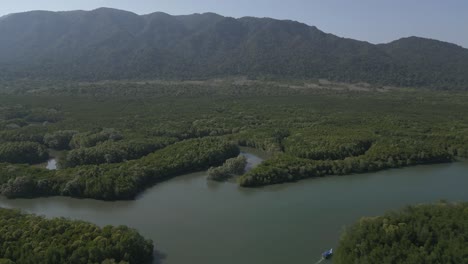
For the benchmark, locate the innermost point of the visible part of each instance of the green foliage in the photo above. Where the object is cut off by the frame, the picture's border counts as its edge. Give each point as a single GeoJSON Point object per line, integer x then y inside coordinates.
{"type": "Point", "coordinates": [59, 140]}
{"type": "Point", "coordinates": [319, 144]}
{"type": "Point", "coordinates": [91, 139]}
{"type": "Point", "coordinates": [126, 180]}
{"type": "Point", "coordinates": [316, 133]}
{"type": "Point", "coordinates": [113, 152]}
{"type": "Point", "coordinates": [117, 181]}
{"type": "Point", "coordinates": [23, 152]}
{"type": "Point", "coordinates": [231, 167]}
{"type": "Point", "coordinates": [384, 154]}
{"type": "Point", "coordinates": [264, 139]}
{"type": "Point", "coordinates": [27, 133]}
{"type": "Point", "coordinates": [44, 115]}
{"type": "Point", "coordinates": [423, 234]}
{"type": "Point", "coordinates": [29, 114]}
{"type": "Point", "coordinates": [33, 239]}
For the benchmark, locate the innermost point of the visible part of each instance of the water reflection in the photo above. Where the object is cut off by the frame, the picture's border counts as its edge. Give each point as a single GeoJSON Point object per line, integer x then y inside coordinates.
{"type": "Point", "coordinates": [51, 164]}
{"type": "Point", "coordinates": [195, 221]}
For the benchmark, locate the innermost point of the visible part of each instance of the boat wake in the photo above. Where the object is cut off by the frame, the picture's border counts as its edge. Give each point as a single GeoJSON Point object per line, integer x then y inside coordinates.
{"type": "Point", "coordinates": [322, 259]}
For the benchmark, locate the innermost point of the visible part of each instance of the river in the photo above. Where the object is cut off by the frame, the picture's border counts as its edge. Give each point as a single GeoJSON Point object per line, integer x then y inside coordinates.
{"type": "Point", "coordinates": [195, 221]}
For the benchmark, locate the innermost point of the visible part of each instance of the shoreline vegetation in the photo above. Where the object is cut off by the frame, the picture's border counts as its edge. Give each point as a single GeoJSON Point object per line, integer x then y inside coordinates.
{"type": "Point", "coordinates": [430, 234]}
{"type": "Point", "coordinates": [284, 168]}
{"type": "Point", "coordinates": [120, 181]}
{"type": "Point", "coordinates": [135, 143]}
{"type": "Point", "coordinates": [27, 238]}
{"type": "Point", "coordinates": [230, 168]}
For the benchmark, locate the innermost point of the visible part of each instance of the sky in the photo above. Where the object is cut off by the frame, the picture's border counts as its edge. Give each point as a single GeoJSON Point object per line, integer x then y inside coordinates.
{"type": "Point", "coordinates": [376, 21]}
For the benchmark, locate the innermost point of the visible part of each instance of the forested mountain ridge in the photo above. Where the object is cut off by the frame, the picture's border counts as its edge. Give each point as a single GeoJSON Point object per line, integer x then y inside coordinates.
{"type": "Point", "coordinates": [113, 44]}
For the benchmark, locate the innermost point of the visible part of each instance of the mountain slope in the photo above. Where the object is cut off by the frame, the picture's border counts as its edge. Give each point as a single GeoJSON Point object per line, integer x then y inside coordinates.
{"type": "Point", "coordinates": [113, 44]}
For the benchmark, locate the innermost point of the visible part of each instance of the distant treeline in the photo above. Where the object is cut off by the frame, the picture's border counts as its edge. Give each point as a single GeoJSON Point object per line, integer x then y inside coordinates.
{"type": "Point", "coordinates": [87, 47]}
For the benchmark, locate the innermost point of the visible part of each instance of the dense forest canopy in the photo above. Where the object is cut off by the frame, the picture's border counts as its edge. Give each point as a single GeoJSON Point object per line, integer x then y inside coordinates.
{"type": "Point", "coordinates": [115, 181]}
{"type": "Point", "coordinates": [138, 141]}
{"type": "Point", "coordinates": [423, 234]}
{"type": "Point", "coordinates": [28, 239]}
{"type": "Point", "coordinates": [231, 167]}
{"type": "Point", "coordinates": [109, 44]}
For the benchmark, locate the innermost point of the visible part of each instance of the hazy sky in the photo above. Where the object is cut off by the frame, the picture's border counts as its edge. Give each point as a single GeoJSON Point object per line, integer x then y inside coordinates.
{"type": "Point", "coordinates": [375, 21]}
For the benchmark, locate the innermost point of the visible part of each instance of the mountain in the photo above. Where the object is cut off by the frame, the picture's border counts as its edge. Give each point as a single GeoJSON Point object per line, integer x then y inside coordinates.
{"type": "Point", "coordinates": [114, 44]}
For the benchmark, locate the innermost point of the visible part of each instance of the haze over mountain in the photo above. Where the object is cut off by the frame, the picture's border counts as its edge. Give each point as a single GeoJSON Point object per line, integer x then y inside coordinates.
{"type": "Point", "coordinates": [114, 44]}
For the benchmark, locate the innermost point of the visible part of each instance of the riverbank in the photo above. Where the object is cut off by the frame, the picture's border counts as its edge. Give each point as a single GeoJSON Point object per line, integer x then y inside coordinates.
{"type": "Point", "coordinates": [23, 239]}
{"type": "Point", "coordinates": [121, 181]}
{"type": "Point", "coordinates": [195, 221]}
{"type": "Point", "coordinates": [286, 168]}
{"type": "Point", "coordinates": [426, 234]}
